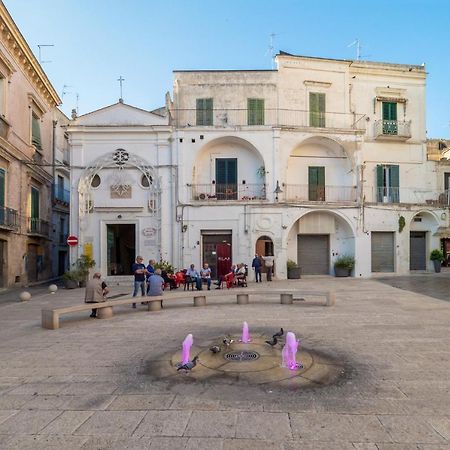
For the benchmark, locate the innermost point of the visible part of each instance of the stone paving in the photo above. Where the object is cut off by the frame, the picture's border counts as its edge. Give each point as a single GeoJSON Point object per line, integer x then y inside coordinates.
{"type": "Point", "coordinates": [85, 385]}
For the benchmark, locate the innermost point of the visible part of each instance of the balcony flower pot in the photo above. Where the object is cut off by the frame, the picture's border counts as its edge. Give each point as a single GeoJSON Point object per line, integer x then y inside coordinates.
{"type": "Point", "coordinates": [343, 266]}
{"type": "Point", "coordinates": [293, 270]}
{"type": "Point", "coordinates": [437, 257]}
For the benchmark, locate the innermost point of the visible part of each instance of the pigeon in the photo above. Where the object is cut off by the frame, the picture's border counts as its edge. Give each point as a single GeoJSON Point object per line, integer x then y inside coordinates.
{"type": "Point", "coordinates": [273, 342]}
{"type": "Point", "coordinates": [279, 334]}
{"type": "Point", "coordinates": [215, 349]}
{"type": "Point", "coordinates": [227, 341]}
{"type": "Point", "coordinates": [189, 365]}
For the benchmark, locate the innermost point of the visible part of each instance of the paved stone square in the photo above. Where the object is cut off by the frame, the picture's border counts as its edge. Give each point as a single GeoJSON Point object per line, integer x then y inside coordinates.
{"type": "Point", "coordinates": [87, 386]}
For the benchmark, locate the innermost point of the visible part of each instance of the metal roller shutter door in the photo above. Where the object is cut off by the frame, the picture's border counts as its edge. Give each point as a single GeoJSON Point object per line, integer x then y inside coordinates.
{"type": "Point", "coordinates": [382, 251]}
{"type": "Point", "coordinates": [417, 248]}
{"type": "Point", "coordinates": [313, 254]}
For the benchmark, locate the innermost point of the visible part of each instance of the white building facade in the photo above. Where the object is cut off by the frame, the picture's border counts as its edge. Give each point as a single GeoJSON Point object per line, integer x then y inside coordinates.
{"type": "Point", "coordinates": [314, 160]}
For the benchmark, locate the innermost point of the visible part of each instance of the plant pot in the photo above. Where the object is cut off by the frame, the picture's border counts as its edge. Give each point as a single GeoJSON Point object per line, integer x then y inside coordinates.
{"type": "Point", "coordinates": [437, 265]}
{"type": "Point", "coordinates": [294, 273]}
{"type": "Point", "coordinates": [342, 271]}
{"type": "Point", "coordinates": [70, 284]}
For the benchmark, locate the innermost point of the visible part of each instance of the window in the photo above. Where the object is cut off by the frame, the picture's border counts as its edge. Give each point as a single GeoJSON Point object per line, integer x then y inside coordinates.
{"type": "Point", "coordinates": [3, 85]}
{"type": "Point", "coordinates": [390, 125]}
{"type": "Point", "coordinates": [316, 109]}
{"type": "Point", "coordinates": [226, 178]}
{"type": "Point", "coordinates": [96, 181]}
{"type": "Point", "coordinates": [2, 188]}
{"type": "Point", "coordinates": [146, 181]}
{"type": "Point", "coordinates": [204, 111]}
{"type": "Point", "coordinates": [36, 132]}
{"type": "Point", "coordinates": [255, 111]}
{"type": "Point", "coordinates": [388, 184]}
{"type": "Point", "coordinates": [316, 184]}
{"type": "Point", "coordinates": [34, 216]}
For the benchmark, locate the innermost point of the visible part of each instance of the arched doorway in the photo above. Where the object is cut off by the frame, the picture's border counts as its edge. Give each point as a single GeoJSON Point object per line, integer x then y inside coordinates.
{"type": "Point", "coordinates": [264, 247]}
{"type": "Point", "coordinates": [422, 227]}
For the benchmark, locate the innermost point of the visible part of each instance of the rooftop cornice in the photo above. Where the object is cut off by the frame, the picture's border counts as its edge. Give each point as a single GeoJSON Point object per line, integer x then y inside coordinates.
{"type": "Point", "coordinates": [17, 46]}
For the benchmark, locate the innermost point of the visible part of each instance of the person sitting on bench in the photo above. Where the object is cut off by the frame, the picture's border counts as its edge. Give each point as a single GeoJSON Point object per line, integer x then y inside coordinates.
{"type": "Point", "coordinates": [96, 292]}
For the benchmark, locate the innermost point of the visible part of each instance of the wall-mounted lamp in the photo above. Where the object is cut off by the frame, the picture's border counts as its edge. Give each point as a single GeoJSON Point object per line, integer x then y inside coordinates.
{"type": "Point", "coordinates": [277, 190]}
{"type": "Point", "coordinates": [184, 228]}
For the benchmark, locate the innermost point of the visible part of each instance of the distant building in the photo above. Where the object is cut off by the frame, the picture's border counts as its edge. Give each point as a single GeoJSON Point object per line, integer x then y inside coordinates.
{"type": "Point", "coordinates": [28, 132]}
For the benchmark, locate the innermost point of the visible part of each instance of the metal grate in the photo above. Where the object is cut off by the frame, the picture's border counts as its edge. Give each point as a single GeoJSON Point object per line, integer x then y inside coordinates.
{"type": "Point", "coordinates": [239, 356]}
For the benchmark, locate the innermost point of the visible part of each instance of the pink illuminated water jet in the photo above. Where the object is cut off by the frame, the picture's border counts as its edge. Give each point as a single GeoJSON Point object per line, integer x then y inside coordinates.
{"type": "Point", "coordinates": [187, 344]}
{"type": "Point", "coordinates": [290, 351]}
{"type": "Point", "coordinates": [245, 334]}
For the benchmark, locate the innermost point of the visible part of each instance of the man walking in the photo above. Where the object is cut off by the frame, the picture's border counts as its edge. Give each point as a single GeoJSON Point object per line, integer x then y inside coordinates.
{"type": "Point", "coordinates": [256, 264]}
{"type": "Point", "coordinates": [139, 271]}
{"type": "Point", "coordinates": [268, 262]}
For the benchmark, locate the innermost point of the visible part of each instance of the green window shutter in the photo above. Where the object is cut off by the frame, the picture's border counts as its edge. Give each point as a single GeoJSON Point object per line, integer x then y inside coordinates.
{"type": "Point", "coordinates": [394, 183]}
{"type": "Point", "coordinates": [226, 178]}
{"type": "Point", "coordinates": [316, 109]}
{"type": "Point", "coordinates": [34, 203]}
{"type": "Point", "coordinates": [316, 183]}
{"type": "Point", "coordinates": [255, 111]}
{"type": "Point", "coordinates": [380, 182]}
{"type": "Point", "coordinates": [36, 132]}
{"type": "Point", "coordinates": [2, 187]}
{"type": "Point", "coordinates": [389, 111]}
{"type": "Point", "coordinates": [204, 109]}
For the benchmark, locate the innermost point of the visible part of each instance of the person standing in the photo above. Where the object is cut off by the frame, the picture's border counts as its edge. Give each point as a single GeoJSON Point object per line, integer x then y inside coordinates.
{"type": "Point", "coordinates": [96, 291]}
{"type": "Point", "coordinates": [205, 275]}
{"type": "Point", "coordinates": [268, 262]}
{"type": "Point", "coordinates": [139, 271]}
{"type": "Point", "coordinates": [256, 264]}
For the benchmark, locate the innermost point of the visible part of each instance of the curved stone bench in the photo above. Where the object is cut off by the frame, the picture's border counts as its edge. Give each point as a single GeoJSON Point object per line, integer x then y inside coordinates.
{"type": "Point", "coordinates": [50, 317]}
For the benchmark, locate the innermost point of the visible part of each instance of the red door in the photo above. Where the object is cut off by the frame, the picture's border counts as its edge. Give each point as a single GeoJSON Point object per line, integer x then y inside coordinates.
{"type": "Point", "coordinates": [223, 259]}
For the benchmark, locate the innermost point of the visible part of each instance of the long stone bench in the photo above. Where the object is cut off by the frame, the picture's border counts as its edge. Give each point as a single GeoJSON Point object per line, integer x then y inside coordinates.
{"type": "Point", "coordinates": [50, 317]}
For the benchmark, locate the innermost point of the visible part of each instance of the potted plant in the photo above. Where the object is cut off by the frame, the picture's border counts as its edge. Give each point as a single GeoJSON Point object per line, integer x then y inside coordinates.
{"type": "Point", "coordinates": [293, 270]}
{"type": "Point", "coordinates": [437, 257]}
{"type": "Point", "coordinates": [83, 264]}
{"type": "Point", "coordinates": [343, 265]}
{"type": "Point", "coordinates": [71, 279]}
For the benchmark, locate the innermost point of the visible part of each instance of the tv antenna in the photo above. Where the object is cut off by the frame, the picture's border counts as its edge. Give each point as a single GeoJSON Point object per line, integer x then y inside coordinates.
{"type": "Point", "coordinates": [356, 43]}
{"type": "Point", "coordinates": [271, 49]}
{"type": "Point", "coordinates": [40, 46]}
{"type": "Point", "coordinates": [65, 91]}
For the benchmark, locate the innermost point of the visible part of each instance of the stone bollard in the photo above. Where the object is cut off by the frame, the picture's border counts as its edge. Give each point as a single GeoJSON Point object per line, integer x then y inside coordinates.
{"type": "Point", "coordinates": [25, 296]}
{"type": "Point", "coordinates": [286, 299]}
{"type": "Point", "coordinates": [331, 299]}
{"type": "Point", "coordinates": [52, 288]}
{"type": "Point", "coordinates": [200, 300]}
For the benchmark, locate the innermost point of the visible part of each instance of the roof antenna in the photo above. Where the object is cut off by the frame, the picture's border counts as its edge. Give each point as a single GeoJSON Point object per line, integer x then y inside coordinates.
{"type": "Point", "coordinates": [271, 50]}
{"type": "Point", "coordinates": [40, 55]}
{"type": "Point", "coordinates": [356, 43]}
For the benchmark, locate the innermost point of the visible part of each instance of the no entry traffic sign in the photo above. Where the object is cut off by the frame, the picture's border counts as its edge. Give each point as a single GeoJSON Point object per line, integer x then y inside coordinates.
{"type": "Point", "coordinates": [72, 241]}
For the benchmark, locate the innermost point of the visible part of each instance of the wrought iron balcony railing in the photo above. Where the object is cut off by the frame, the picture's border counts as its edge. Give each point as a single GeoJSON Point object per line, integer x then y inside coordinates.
{"type": "Point", "coordinates": [312, 193]}
{"type": "Point", "coordinates": [214, 192]}
{"type": "Point", "coordinates": [38, 227]}
{"type": "Point", "coordinates": [410, 195]}
{"type": "Point", "coordinates": [392, 128]}
{"type": "Point", "coordinates": [182, 118]}
{"type": "Point", "coordinates": [61, 194]}
{"type": "Point", "coordinates": [9, 218]}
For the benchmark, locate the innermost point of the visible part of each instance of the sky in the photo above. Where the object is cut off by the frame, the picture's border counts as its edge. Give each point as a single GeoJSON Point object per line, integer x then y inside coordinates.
{"type": "Point", "coordinates": [96, 41]}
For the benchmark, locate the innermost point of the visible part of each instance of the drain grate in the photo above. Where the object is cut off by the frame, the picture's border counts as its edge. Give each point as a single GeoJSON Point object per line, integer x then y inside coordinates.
{"type": "Point", "coordinates": [239, 356]}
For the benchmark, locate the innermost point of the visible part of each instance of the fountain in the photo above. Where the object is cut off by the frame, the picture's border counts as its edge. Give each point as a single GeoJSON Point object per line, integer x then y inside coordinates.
{"type": "Point", "coordinates": [245, 334]}
{"type": "Point", "coordinates": [289, 352]}
{"type": "Point", "coordinates": [187, 344]}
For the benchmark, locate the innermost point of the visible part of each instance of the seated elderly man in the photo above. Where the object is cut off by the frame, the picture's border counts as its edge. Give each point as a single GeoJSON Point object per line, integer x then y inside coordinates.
{"type": "Point", "coordinates": [96, 291]}
{"type": "Point", "coordinates": [205, 275]}
{"type": "Point", "coordinates": [193, 274]}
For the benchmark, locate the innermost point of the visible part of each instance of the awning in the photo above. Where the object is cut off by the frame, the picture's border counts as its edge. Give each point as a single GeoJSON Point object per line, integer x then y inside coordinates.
{"type": "Point", "coordinates": [443, 232]}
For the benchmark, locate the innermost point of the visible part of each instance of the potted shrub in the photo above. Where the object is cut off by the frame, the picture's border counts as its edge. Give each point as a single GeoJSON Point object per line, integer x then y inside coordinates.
{"type": "Point", "coordinates": [293, 270]}
{"type": "Point", "coordinates": [437, 257]}
{"type": "Point", "coordinates": [343, 265]}
{"type": "Point", "coordinates": [83, 264]}
{"type": "Point", "coordinates": [71, 279]}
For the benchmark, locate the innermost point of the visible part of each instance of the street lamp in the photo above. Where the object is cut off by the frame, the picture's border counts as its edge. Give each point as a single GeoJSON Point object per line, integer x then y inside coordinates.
{"type": "Point", "coordinates": [277, 191]}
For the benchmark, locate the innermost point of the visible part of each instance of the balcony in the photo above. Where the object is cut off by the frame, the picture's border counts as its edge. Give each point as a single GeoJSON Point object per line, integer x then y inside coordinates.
{"type": "Point", "coordinates": [429, 197]}
{"type": "Point", "coordinates": [38, 227]}
{"type": "Point", "coordinates": [237, 192]}
{"type": "Point", "coordinates": [60, 194]}
{"type": "Point", "coordinates": [392, 129]}
{"type": "Point", "coordinates": [278, 118]}
{"type": "Point", "coordinates": [327, 194]}
{"type": "Point", "coordinates": [9, 219]}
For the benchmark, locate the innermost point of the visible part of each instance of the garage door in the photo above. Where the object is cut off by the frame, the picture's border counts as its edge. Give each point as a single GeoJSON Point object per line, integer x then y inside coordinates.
{"type": "Point", "coordinates": [382, 252]}
{"type": "Point", "coordinates": [417, 249]}
{"type": "Point", "coordinates": [313, 254]}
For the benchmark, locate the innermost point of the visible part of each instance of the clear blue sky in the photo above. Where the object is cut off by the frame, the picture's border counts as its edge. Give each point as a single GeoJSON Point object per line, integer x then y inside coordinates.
{"type": "Point", "coordinates": [144, 40]}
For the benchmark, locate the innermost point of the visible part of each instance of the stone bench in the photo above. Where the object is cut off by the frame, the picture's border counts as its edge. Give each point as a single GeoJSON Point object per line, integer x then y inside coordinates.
{"type": "Point", "coordinates": [50, 317]}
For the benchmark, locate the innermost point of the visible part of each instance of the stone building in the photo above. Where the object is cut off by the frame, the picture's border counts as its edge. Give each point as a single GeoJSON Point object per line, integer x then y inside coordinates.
{"type": "Point", "coordinates": [28, 111]}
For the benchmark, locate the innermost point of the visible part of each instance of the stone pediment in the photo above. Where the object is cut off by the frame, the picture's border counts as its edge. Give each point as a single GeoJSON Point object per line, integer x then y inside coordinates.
{"type": "Point", "coordinates": [120, 114]}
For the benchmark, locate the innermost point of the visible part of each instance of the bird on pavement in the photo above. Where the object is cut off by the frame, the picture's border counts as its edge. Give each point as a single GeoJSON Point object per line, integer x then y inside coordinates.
{"type": "Point", "coordinates": [279, 334]}
{"type": "Point", "coordinates": [215, 349]}
{"type": "Point", "coordinates": [227, 341]}
{"type": "Point", "coordinates": [272, 342]}
{"type": "Point", "coordinates": [189, 365]}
